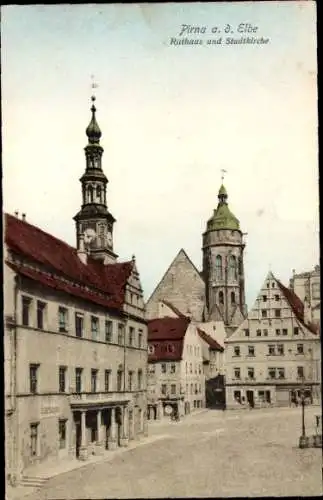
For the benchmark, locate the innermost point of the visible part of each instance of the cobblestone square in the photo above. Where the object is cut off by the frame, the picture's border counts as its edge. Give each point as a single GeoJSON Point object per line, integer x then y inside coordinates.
{"type": "Point", "coordinates": [210, 454]}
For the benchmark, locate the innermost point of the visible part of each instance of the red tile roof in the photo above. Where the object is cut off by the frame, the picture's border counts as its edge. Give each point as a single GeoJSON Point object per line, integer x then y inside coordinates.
{"type": "Point", "coordinates": [166, 335]}
{"type": "Point", "coordinates": [104, 284]}
{"type": "Point", "coordinates": [297, 306]}
{"type": "Point", "coordinates": [209, 340]}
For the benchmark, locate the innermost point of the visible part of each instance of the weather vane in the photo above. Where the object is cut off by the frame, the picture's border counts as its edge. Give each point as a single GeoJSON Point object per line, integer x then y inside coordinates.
{"type": "Point", "coordinates": [94, 85]}
{"type": "Point", "coordinates": [223, 172]}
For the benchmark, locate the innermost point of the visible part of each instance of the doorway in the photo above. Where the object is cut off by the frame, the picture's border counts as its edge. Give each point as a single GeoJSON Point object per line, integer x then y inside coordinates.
{"type": "Point", "coordinates": [250, 398]}
{"type": "Point", "coordinates": [78, 436]}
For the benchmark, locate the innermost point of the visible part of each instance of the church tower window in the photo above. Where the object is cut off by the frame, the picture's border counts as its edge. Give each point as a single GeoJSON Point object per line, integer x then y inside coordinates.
{"type": "Point", "coordinates": [221, 297]}
{"type": "Point", "coordinates": [232, 268]}
{"type": "Point", "coordinates": [218, 267]}
{"type": "Point", "coordinates": [233, 298]}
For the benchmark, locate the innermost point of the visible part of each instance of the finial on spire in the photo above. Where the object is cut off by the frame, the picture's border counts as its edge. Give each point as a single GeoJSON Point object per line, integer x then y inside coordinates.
{"type": "Point", "coordinates": [223, 172]}
{"type": "Point", "coordinates": [93, 131]}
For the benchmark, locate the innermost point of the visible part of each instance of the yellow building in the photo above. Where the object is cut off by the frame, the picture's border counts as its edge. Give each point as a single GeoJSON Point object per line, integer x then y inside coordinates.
{"type": "Point", "coordinates": [274, 353]}
{"type": "Point", "coordinates": [75, 338]}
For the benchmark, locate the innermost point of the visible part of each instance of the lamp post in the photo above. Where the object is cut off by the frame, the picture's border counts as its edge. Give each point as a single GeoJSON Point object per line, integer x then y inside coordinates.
{"type": "Point", "coordinates": [303, 440]}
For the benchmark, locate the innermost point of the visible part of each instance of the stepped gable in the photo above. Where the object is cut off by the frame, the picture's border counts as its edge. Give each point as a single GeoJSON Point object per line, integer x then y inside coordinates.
{"type": "Point", "coordinates": [59, 267]}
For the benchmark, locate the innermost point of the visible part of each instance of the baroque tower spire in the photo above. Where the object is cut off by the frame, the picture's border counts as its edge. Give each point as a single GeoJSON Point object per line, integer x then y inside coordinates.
{"type": "Point", "coordinates": [223, 269]}
{"type": "Point", "coordinates": [94, 222]}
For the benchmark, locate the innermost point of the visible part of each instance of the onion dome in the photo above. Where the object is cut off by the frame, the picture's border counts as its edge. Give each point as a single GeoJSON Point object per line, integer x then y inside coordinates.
{"type": "Point", "coordinates": [93, 130]}
{"type": "Point", "coordinates": [222, 217]}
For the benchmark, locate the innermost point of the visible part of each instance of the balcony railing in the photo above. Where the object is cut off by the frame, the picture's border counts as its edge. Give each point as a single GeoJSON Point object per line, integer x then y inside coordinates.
{"type": "Point", "coordinates": [88, 398]}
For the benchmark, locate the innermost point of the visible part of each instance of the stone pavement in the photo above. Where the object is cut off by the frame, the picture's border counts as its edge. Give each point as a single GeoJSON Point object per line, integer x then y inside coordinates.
{"type": "Point", "coordinates": [210, 454]}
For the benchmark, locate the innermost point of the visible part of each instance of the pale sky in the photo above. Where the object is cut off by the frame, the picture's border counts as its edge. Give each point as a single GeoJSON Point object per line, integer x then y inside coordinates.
{"type": "Point", "coordinates": [171, 118]}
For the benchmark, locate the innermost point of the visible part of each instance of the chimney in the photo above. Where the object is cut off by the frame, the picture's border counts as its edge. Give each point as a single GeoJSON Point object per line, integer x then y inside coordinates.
{"type": "Point", "coordinates": [81, 252]}
{"type": "Point", "coordinates": [17, 213]}
{"type": "Point", "coordinates": [23, 216]}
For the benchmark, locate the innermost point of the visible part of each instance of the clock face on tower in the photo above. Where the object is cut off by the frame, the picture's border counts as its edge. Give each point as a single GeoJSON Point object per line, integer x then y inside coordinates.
{"type": "Point", "coordinates": [89, 235]}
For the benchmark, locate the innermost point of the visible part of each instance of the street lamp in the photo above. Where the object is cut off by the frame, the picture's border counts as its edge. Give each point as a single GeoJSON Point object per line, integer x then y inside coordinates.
{"type": "Point", "coordinates": [303, 440]}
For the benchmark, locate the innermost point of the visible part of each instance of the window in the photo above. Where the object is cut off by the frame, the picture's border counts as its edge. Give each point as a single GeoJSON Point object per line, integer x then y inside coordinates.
{"type": "Point", "coordinates": [273, 285]}
{"type": "Point", "coordinates": [163, 367]}
{"type": "Point", "coordinates": [140, 333]}
{"type": "Point", "coordinates": [40, 314]}
{"type": "Point", "coordinates": [246, 332]}
{"type": "Point", "coordinates": [163, 389]}
{"type": "Point", "coordinates": [94, 377]}
{"type": "Point", "coordinates": [196, 389]}
{"type": "Point", "coordinates": [108, 330]}
{"type": "Point", "coordinates": [107, 376]}
{"type": "Point", "coordinates": [140, 379]}
{"type": "Point", "coordinates": [152, 368]}
{"type": "Point", "coordinates": [251, 373]}
{"type": "Point", "coordinates": [258, 333]}
{"type": "Point", "coordinates": [62, 319]}
{"type": "Point", "coordinates": [300, 372]}
{"type": "Point", "coordinates": [265, 332]}
{"type": "Point", "coordinates": [232, 267]}
{"type": "Point", "coordinates": [280, 349]}
{"type": "Point", "coordinates": [94, 327]}
{"type": "Point", "coordinates": [233, 298]}
{"type": "Point", "coordinates": [119, 380]}
{"type": "Point", "coordinates": [277, 331]}
{"type": "Point", "coordinates": [221, 298]}
{"type": "Point", "coordinates": [26, 304]}
{"type": "Point", "coordinates": [62, 434]}
{"type": "Point", "coordinates": [78, 380]}
{"type": "Point", "coordinates": [191, 368]}
{"type": "Point", "coordinates": [296, 330]}
{"type": "Point", "coordinates": [277, 298]}
{"type": "Point", "coordinates": [267, 285]}
{"type": "Point", "coordinates": [264, 313]}
{"type": "Point", "coordinates": [173, 368]}
{"type": "Point", "coordinates": [34, 439]}
{"type": "Point", "coordinates": [271, 373]}
{"type": "Point", "coordinates": [131, 334]}
{"type": "Point", "coordinates": [151, 349]}
{"type": "Point", "coordinates": [200, 368]}
{"type": "Point", "coordinates": [271, 350]}
{"type": "Point", "coordinates": [264, 298]}
{"type": "Point", "coordinates": [281, 372]}
{"type": "Point", "coordinates": [237, 373]}
{"type": "Point", "coordinates": [79, 321]}
{"type": "Point", "coordinates": [62, 379]}
{"type": "Point", "coordinates": [173, 389]}
{"type": "Point", "coordinates": [192, 388]}
{"type": "Point", "coordinates": [33, 379]}
{"type": "Point", "coordinates": [300, 349]}
{"type": "Point", "coordinates": [285, 331]}
{"type": "Point", "coordinates": [218, 267]}
{"type": "Point", "coordinates": [130, 380]}
{"type": "Point", "coordinates": [170, 348]}
{"type": "Point", "coordinates": [251, 350]}
{"type": "Point", "coordinates": [316, 293]}
{"type": "Point", "coordinates": [237, 350]}
{"type": "Point", "coordinates": [120, 333]}
{"type": "Point", "coordinates": [277, 313]}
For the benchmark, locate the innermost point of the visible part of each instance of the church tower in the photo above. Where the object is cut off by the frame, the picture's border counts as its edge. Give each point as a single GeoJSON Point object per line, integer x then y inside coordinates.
{"type": "Point", "coordinates": [94, 222]}
{"type": "Point", "coordinates": [223, 269]}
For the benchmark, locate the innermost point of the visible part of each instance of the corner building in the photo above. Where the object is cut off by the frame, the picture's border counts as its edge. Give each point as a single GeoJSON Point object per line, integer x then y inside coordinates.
{"type": "Point", "coordinates": [75, 337]}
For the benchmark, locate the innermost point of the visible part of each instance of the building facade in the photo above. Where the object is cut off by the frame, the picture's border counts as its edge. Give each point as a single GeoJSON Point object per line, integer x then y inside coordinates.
{"type": "Point", "coordinates": [175, 372]}
{"type": "Point", "coordinates": [217, 293]}
{"type": "Point", "coordinates": [274, 354]}
{"type": "Point", "coordinates": [75, 337]}
{"type": "Point", "coordinates": [307, 287]}
{"type": "Point", "coordinates": [213, 369]}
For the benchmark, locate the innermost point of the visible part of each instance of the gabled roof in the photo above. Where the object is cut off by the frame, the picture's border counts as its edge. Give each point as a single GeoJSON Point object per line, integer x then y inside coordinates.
{"type": "Point", "coordinates": [297, 306]}
{"type": "Point", "coordinates": [182, 251]}
{"type": "Point", "coordinates": [166, 336]}
{"type": "Point", "coordinates": [58, 265]}
{"type": "Point", "coordinates": [210, 341]}
{"type": "Point", "coordinates": [174, 309]}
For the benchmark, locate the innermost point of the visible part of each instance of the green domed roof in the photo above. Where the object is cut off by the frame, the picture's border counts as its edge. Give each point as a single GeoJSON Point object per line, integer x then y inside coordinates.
{"type": "Point", "coordinates": [93, 130]}
{"type": "Point", "coordinates": [222, 217]}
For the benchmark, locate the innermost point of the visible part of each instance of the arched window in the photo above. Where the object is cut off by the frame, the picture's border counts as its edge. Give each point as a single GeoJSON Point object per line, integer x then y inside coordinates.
{"type": "Point", "coordinates": [232, 267]}
{"type": "Point", "coordinates": [218, 267]}
{"type": "Point", "coordinates": [90, 194]}
{"type": "Point", "coordinates": [233, 298]}
{"type": "Point", "coordinates": [221, 297]}
{"type": "Point", "coordinates": [98, 193]}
